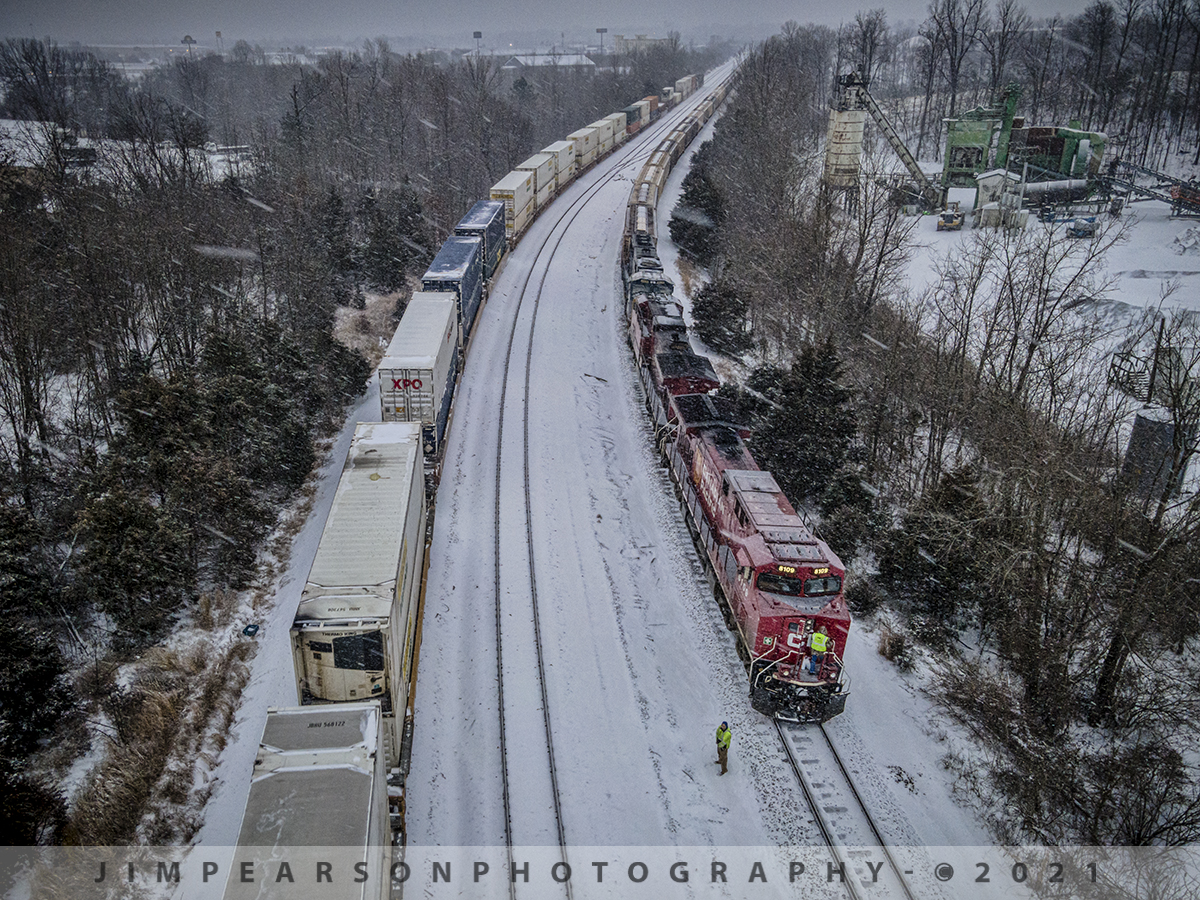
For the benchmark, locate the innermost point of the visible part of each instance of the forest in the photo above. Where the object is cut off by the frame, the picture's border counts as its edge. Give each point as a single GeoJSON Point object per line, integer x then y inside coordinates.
{"type": "Point", "coordinates": [962, 444]}
{"type": "Point", "coordinates": [169, 374]}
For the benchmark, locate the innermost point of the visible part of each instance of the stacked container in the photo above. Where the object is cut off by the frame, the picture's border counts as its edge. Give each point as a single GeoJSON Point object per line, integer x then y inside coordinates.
{"type": "Point", "coordinates": [318, 797]}
{"type": "Point", "coordinates": [604, 136]}
{"type": "Point", "coordinates": [544, 167]}
{"type": "Point", "coordinates": [352, 638]}
{"type": "Point", "coordinates": [652, 100]}
{"type": "Point", "coordinates": [416, 375]}
{"type": "Point", "coordinates": [515, 191]}
{"type": "Point", "coordinates": [643, 107]}
{"type": "Point", "coordinates": [633, 119]}
{"type": "Point", "coordinates": [618, 121]}
{"type": "Point", "coordinates": [585, 148]}
{"type": "Point", "coordinates": [564, 155]}
{"type": "Point", "coordinates": [486, 222]}
{"type": "Point", "coordinates": [458, 268]}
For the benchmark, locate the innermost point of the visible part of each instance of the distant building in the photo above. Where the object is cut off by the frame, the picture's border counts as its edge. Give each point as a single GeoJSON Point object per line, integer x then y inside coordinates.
{"type": "Point", "coordinates": [635, 44]}
{"type": "Point", "coordinates": [538, 66]}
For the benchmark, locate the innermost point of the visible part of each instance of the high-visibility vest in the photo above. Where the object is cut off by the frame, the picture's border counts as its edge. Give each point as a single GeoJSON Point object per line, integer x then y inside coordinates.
{"type": "Point", "coordinates": [724, 736]}
{"type": "Point", "coordinates": [819, 641]}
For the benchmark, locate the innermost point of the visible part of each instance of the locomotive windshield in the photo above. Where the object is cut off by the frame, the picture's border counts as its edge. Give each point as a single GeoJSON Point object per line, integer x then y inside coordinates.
{"type": "Point", "coordinates": [784, 585]}
{"type": "Point", "coordinates": [787, 586]}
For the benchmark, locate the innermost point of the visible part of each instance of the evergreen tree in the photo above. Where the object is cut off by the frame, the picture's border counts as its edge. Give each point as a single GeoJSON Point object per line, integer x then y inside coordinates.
{"type": "Point", "coordinates": [720, 316]}
{"type": "Point", "coordinates": [809, 430]}
{"type": "Point", "coordinates": [697, 218]}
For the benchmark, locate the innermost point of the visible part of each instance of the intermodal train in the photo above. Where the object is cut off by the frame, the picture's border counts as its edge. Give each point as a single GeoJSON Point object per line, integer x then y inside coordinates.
{"type": "Point", "coordinates": [779, 585]}
{"type": "Point", "coordinates": [353, 636]}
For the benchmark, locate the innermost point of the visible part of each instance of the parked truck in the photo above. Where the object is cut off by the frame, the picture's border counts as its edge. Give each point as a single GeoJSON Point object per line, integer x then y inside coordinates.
{"type": "Point", "coordinates": [352, 637]}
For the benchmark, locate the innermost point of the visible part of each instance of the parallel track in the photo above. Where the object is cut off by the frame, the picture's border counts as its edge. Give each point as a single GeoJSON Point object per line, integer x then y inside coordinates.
{"type": "Point", "coordinates": [545, 256]}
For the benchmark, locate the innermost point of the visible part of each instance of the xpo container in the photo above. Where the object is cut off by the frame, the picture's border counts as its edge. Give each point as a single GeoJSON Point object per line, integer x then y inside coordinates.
{"type": "Point", "coordinates": [604, 136]}
{"type": "Point", "coordinates": [585, 148]}
{"type": "Point", "coordinates": [352, 638]}
{"type": "Point", "coordinates": [515, 190]}
{"type": "Point", "coordinates": [318, 794]}
{"type": "Point", "coordinates": [544, 168]}
{"type": "Point", "coordinates": [618, 127]}
{"type": "Point", "coordinates": [416, 375]}
{"type": "Point", "coordinates": [564, 163]}
{"type": "Point", "coordinates": [486, 222]}
{"type": "Point", "coordinates": [458, 269]}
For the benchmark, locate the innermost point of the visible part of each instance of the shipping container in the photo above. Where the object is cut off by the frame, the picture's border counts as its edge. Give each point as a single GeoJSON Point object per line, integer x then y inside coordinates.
{"type": "Point", "coordinates": [318, 794]}
{"type": "Point", "coordinates": [585, 148]}
{"type": "Point", "coordinates": [515, 191]}
{"type": "Point", "coordinates": [618, 121]}
{"type": "Point", "coordinates": [544, 167]}
{"type": "Point", "coordinates": [643, 111]}
{"type": "Point", "coordinates": [604, 136]}
{"type": "Point", "coordinates": [486, 221]}
{"type": "Point", "coordinates": [416, 375]}
{"type": "Point", "coordinates": [458, 268]}
{"type": "Point", "coordinates": [564, 154]}
{"type": "Point", "coordinates": [633, 118]}
{"type": "Point", "coordinates": [352, 637]}
{"type": "Point", "coordinates": [654, 104]}
{"type": "Point", "coordinates": [686, 85]}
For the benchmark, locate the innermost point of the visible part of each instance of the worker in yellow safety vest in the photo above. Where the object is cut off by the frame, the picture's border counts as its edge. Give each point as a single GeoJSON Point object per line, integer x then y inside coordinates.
{"type": "Point", "coordinates": [724, 736]}
{"type": "Point", "coordinates": [819, 642]}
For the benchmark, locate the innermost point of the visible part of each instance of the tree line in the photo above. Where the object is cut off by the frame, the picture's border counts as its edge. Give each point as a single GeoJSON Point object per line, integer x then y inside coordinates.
{"type": "Point", "coordinates": [167, 352]}
{"type": "Point", "coordinates": [963, 445]}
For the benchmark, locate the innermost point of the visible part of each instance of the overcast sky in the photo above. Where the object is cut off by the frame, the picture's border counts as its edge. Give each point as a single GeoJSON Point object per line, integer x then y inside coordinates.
{"type": "Point", "coordinates": [444, 22]}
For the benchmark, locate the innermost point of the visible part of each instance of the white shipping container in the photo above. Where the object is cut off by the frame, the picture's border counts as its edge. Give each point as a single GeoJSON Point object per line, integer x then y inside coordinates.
{"type": "Point", "coordinates": [522, 220]}
{"type": "Point", "coordinates": [618, 127]}
{"type": "Point", "coordinates": [352, 638]}
{"type": "Point", "coordinates": [516, 191]}
{"type": "Point", "coordinates": [416, 374]}
{"type": "Point", "coordinates": [604, 131]}
{"type": "Point", "coordinates": [544, 197]}
{"type": "Point", "coordinates": [544, 167]}
{"type": "Point", "coordinates": [564, 155]}
{"type": "Point", "coordinates": [644, 107]}
{"type": "Point", "coordinates": [318, 794]}
{"type": "Point", "coordinates": [585, 148]}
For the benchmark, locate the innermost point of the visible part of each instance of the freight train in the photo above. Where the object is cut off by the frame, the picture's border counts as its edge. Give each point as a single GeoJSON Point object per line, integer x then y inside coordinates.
{"type": "Point", "coordinates": [779, 585]}
{"type": "Point", "coordinates": [354, 633]}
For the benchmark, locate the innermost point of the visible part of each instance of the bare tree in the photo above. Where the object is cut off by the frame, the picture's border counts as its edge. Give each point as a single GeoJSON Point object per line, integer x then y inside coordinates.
{"type": "Point", "coordinates": [958, 25]}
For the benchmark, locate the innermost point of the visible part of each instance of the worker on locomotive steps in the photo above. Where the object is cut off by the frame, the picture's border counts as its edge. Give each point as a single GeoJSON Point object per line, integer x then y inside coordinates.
{"type": "Point", "coordinates": [724, 736]}
{"type": "Point", "coordinates": [819, 641]}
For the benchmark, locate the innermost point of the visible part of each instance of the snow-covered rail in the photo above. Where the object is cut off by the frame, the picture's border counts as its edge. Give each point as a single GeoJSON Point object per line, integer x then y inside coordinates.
{"type": "Point", "coordinates": [842, 816]}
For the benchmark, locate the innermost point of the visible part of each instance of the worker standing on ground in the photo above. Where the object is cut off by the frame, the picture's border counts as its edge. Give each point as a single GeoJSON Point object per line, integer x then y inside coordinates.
{"type": "Point", "coordinates": [724, 736]}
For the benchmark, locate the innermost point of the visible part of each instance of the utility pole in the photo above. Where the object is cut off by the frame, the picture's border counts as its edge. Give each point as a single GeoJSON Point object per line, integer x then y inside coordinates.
{"type": "Point", "coordinates": [478, 36]}
{"type": "Point", "coordinates": [602, 32]}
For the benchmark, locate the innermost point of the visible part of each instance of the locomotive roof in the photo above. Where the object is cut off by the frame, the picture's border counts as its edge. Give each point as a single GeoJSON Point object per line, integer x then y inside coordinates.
{"type": "Point", "coordinates": [706, 411]}
{"type": "Point", "coordinates": [685, 365]}
{"type": "Point", "coordinates": [785, 533]}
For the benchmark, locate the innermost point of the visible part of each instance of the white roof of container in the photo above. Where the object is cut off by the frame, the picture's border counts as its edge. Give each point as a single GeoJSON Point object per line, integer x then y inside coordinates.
{"type": "Point", "coordinates": [559, 146]}
{"type": "Point", "coordinates": [514, 181]}
{"type": "Point", "coordinates": [360, 546]}
{"type": "Point", "coordinates": [419, 335]}
{"type": "Point", "coordinates": [583, 132]}
{"type": "Point", "coordinates": [301, 767]}
{"type": "Point", "coordinates": [536, 161]}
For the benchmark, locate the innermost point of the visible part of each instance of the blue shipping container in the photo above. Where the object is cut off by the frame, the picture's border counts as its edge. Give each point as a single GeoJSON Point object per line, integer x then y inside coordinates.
{"type": "Point", "coordinates": [458, 267]}
{"type": "Point", "coordinates": [486, 221]}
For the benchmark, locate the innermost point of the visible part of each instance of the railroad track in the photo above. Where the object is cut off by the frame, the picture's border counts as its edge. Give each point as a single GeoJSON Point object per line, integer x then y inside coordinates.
{"type": "Point", "coordinates": [528, 789]}
{"type": "Point", "coordinates": [870, 867]}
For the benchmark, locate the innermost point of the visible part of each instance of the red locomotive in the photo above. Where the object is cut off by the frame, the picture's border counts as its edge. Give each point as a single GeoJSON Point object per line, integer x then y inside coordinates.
{"type": "Point", "coordinates": [780, 585]}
